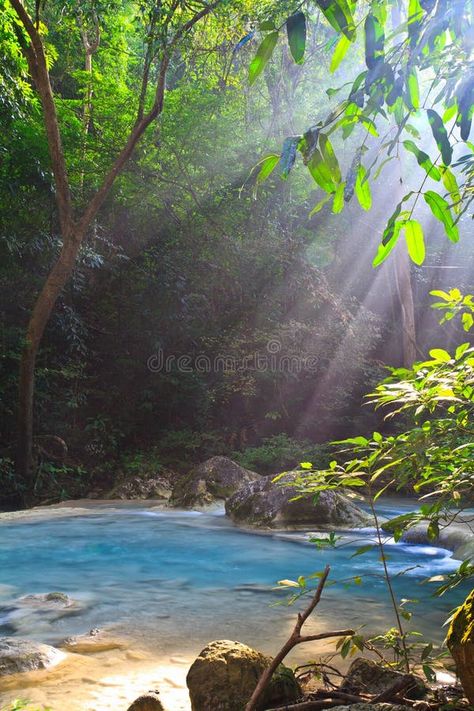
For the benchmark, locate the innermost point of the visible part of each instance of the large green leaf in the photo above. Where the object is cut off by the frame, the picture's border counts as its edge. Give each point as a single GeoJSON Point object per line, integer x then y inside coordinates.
{"type": "Point", "coordinates": [440, 135]}
{"type": "Point", "coordinates": [339, 16]}
{"type": "Point", "coordinates": [441, 210]}
{"type": "Point", "coordinates": [423, 160]}
{"type": "Point", "coordinates": [374, 41]}
{"type": "Point", "coordinates": [413, 89]}
{"type": "Point", "coordinates": [362, 189]}
{"type": "Point", "coordinates": [321, 172]}
{"type": "Point", "coordinates": [340, 52]}
{"type": "Point", "coordinates": [264, 52]}
{"type": "Point", "coordinates": [451, 185]}
{"type": "Point", "coordinates": [386, 247]}
{"type": "Point", "coordinates": [296, 30]}
{"type": "Point", "coordinates": [329, 157]}
{"type": "Point", "coordinates": [415, 241]}
{"type": "Point", "coordinates": [267, 166]}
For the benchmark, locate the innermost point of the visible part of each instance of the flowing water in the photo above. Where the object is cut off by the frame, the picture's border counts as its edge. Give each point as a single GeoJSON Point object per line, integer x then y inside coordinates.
{"type": "Point", "coordinates": [169, 581]}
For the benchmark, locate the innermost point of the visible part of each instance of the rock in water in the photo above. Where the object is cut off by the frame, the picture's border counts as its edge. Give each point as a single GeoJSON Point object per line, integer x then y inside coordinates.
{"type": "Point", "coordinates": [225, 674]}
{"type": "Point", "coordinates": [23, 655]}
{"type": "Point", "coordinates": [367, 677]}
{"type": "Point", "coordinates": [267, 504]}
{"type": "Point", "coordinates": [147, 702]}
{"type": "Point", "coordinates": [216, 478]}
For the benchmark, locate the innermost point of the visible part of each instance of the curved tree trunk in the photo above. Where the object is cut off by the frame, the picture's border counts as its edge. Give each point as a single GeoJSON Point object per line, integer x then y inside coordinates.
{"type": "Point", "coordinates": [39, 318]}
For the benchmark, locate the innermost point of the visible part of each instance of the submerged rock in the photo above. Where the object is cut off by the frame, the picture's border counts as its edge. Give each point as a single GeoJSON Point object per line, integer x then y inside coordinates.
{"type": "Point", "coordinates": [367, 677]}
{"type": "Point", "coordinates": [23, 655]}
{"type": "Point", "coordinates": [269, 504]}
{"type": "Point", "coordinates": [17, 615]}
{"type": "Point", "coordinates": [93, 642]}
{"type": "Point", "coordinates": [147, 702]}
{"type": "Point", "coordinates": [224, 675]}
{"type": "Point", "coordinates": [216, 478]}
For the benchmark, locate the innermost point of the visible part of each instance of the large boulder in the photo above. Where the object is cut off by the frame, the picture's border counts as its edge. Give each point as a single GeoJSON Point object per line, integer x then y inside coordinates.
{"type": "Point", "coordinates": [268, 504]}
{"type": "Point", "coordinates": [367, 677]}
{"type": "Point", "coordinates": [460, 640]}
{"type": "Point", "coordinates": [146, 485]}
{"type": "Point", "coordinates": [23, 655]}
{"type": "Point", "coordinates": [216, 478]}
{"type": "Point", "coordinates": [226, 673]}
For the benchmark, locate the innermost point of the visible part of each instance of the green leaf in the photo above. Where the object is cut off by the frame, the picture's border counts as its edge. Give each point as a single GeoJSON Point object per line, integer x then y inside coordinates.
{"type": "Point", "coordinates": [296, 31]}
{"type": "Point", "coordinates": [329, 157]}
{"type": "Point", "coordinates": [451, 185]}
{"type": "Point", "coordinates": [413, 89]}
{"type": "Point", "coordinates": [440, 135]}
{"type": "Point", "coordinates": [440, 209]}
{"type": "Point", "coordinates": [340, 52]}
{"type": "Point", "coordinates": [288, 155]}
{"type": "Point", "coordinates": [415, 241]}
{"type": "Point", "coordinates": [362, 189]}
{"type": "Point", "coordinates": [339, 16]}
{"type": "Point", "coordinates": [374, 41]}
{"type": "Point", "coordinates": [267, 166]}
{"type": "Point", "coordinates": [423, 160]}
{"type": "Point", "coordinates": [321, 172]}
{"type": "Point", "coordinates": [440, 354]}
{"type": "Point", "coordinates": [362, 550]}
{"type": "Point", "coordinates": [319, 205]}
{"type": "Point", "coordinates": [338, 202]}
{"type": "Point", "coordinates": [264, 52]}
{"type": "Point", "coordinates": [429, 673]}
{"type": "Point", "coordinates": [385, 249]}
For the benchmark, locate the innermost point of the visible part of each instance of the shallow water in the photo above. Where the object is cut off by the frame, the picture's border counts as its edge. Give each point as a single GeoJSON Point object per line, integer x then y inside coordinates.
{"type": "Point", "coordinates": [171, 581]}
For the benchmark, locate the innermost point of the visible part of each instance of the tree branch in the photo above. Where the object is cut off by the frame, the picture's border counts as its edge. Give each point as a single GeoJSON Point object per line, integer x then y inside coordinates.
{"type": "Point", "coordinates": [36, 59]}
{"type": "Point", "coordinates": [294, 639]}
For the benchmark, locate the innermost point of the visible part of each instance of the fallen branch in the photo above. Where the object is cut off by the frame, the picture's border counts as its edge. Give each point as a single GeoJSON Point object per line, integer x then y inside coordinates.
{"type": "Point", "coordinates": [310, 705]}
{"type": "Point", "coordinates": [296, 638]}
{"type": "Point", "coordinates": [400, 686]}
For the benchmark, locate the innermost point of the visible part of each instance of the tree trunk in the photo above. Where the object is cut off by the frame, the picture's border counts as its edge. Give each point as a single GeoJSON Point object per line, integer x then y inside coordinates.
{"type": "Point", "coordinates": [40, 316]}
{"type": "Point", "coordinates": [402, 269]}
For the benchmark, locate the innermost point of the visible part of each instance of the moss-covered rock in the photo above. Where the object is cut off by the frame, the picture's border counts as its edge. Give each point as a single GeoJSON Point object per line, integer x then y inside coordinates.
{"type": "Point", "coordinates": [460, 640]}
{"type": "Point", "coordinates": [215, 479]}
{"type": "Point", "coordinates": [224, 675]}
{"type": "Point", "coordinates": [268, 504]}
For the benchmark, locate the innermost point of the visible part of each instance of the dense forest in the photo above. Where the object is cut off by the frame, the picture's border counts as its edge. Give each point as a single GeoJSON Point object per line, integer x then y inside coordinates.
{"type": "Point", "coordinates": [232, 229]}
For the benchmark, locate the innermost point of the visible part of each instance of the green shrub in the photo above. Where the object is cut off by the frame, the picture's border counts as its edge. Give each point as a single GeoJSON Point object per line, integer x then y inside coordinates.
{"type": "Point", "coordinates": [280, 452]}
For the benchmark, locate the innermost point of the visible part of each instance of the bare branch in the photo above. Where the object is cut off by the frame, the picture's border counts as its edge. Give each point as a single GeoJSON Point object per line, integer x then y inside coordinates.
{"type": "Point", "coordinates": [294, 639]}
